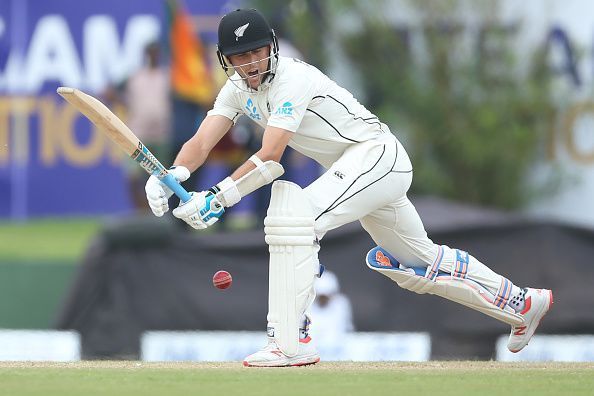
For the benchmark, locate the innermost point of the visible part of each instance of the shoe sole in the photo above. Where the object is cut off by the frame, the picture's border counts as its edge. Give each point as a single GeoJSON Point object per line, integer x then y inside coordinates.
{"type": "Point", "coordinates": [296, 364]}
{"type": "Point", "coordinates": [551, 301]}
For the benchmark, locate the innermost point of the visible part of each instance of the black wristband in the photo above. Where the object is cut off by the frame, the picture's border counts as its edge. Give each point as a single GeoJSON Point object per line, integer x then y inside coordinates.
{"type": "Point", "coordinates": [214, 189]}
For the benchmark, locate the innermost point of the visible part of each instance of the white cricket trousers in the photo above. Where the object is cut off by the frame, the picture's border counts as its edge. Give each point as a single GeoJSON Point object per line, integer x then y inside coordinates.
{"type": "Point", "coordinates": [369, 183]}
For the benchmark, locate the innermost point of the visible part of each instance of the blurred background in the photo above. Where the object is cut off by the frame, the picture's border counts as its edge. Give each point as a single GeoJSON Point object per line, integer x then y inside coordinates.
{"type": "Point", "coordinates": [492, 99]}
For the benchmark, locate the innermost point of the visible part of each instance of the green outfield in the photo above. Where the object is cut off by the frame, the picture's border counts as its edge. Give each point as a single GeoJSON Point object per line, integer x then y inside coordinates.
{"type": "Point", "coordinates": [48, 240]}
{"type": "Point", "coordinates": [360, 379]}
{"type": "Point", "coordinates": [38, 259]}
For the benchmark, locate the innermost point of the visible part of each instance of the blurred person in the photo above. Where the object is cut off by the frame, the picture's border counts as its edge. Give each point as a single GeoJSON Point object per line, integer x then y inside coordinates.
{"type": "Point", "coordinates": [367, 179]}
{"type": "Point", "coordinates": [331, 312]}
{"type": "Point", "coordinates": [192, 83]}
{"type": "Point", "coordinates": [229, 153]}
{"type": "Point", "coordinates": [146, 94]}
{"type": "Point", "coordinates": [186, 116]}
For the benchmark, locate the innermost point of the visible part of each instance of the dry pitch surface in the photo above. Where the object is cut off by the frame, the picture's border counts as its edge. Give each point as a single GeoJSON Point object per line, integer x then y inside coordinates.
{"type": "Point", "coordinates": [329, 378]}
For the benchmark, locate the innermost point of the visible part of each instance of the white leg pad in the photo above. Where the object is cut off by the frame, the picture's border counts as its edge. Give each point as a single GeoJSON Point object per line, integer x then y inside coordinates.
{"type": "Point", "coordinates": [453, 287]}
{"type": "Point", "coordinates": [289, 229]}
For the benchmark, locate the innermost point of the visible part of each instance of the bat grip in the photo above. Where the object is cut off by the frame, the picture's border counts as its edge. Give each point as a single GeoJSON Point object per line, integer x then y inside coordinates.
{"type": "Point", "coordinates": [177, 188]}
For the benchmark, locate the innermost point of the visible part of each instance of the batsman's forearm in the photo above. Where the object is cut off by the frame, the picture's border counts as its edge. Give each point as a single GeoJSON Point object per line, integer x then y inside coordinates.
{"type": "Point", "coordinates": [249, 165]}
{"type": "Point", "coordinates": [195, 151]}
{"type": "Point", "coordinates": [191, 155]}
{"type": "Point", "coordinates": [243, 170]}
{"type": "Point", "coordinates": [230, 191]}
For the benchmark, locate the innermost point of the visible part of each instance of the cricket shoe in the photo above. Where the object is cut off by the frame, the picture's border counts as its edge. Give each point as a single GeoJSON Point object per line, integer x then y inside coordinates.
{"type": "Point", "coordinates": [537, 304]}
{"type": "Point", "coordinates": [272, 356]}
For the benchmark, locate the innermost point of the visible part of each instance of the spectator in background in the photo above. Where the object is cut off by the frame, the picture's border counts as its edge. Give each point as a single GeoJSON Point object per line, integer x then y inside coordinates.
{"type": "Point", "coordinates": [331, 312]}
{"type": "Point", "coordinates": [146, 95]}
{"type": "Point", "coordinates": [187, 116]}
{"type": "Point", "coordinates": [192, 83]}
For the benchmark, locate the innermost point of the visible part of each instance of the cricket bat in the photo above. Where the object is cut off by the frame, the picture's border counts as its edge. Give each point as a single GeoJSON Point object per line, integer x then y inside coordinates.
{"type": "Point", "coordinates": [121, 135]}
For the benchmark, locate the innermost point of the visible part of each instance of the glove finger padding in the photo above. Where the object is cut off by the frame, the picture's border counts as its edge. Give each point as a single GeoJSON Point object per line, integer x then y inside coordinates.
{"type": "Point", "coordinates": [203, 210]}
{"type": "Point", "coordinates": [156, 197]}
{"type": "Point", "coordinates": [158, 194]}
{"type": "Point", "coordinates": [189, 211]}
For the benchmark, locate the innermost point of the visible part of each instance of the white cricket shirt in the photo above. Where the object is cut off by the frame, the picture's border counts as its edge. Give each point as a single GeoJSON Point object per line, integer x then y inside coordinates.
{"type": "Point", "coordinates": [325, 118]}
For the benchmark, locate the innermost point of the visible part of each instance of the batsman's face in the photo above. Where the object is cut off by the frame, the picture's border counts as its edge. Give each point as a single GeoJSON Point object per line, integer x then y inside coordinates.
{"type": "Point", "coordinates": [252, 66]}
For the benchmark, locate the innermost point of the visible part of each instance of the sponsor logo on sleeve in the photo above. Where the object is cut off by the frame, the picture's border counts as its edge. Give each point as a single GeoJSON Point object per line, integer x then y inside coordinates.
{"type": "Point", "coordinates": [285, 109]}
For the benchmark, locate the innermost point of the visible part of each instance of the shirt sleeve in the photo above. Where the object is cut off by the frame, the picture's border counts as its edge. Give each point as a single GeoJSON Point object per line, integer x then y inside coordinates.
{"type": "Point", "coordinates": [289, 102]}
{"type": "Point", "coordinates": [226, 104]}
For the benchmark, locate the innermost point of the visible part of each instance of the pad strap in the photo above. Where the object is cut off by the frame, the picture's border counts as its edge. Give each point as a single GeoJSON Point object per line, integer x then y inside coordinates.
{"type": "Point", "coordinates": [503, 294]}
{"type": "Point", "coordinates": [263, 170]}
{"type": "Point", "coordinates": [461, 267]}
{"type": "Point", "coordinates": [433, 270]}
{"type": "Point", "coordinates": [227, 192]}
{"type": "Point", "coordinates": [460, 289]}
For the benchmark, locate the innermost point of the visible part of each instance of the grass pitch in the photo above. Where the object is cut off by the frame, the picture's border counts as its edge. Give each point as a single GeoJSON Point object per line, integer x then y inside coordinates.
{"type": "Point", "coordinates": [360, 379]}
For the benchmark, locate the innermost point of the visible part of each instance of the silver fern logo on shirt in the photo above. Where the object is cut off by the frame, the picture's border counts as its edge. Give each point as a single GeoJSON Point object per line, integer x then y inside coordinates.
{"type": "Point", "coordinates": [240, 31]}
{"type": "Point", "coordinates": [252, 110]}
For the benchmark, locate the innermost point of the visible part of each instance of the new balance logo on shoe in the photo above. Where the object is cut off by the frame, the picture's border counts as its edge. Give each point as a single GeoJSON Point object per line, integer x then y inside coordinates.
{"type": "Point", "coordinates": [537, 304]}
{"type": "Point", "coordinates": [520, 330]}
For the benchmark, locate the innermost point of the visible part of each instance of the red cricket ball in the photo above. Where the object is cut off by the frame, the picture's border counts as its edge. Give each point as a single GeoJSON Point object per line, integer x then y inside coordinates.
{"type": "Point", "coordinates": [222, 280]}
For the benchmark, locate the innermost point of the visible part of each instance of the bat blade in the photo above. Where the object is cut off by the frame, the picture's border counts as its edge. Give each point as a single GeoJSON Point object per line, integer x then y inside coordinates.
{"type": "Point", "coordinates": [122, 136]}
{"type": "Point", "coordinates": [101, 116]}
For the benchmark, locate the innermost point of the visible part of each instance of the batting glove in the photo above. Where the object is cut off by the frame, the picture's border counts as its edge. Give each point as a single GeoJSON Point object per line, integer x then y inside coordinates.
{"type": "Point", "coordinates": [203, 210]}
{"type": "Point", "coordinates": [158, 193]}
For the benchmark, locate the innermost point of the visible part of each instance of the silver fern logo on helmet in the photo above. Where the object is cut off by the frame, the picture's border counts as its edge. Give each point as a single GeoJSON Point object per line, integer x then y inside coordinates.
{"type": "Point", "coordinates": [240, 31]}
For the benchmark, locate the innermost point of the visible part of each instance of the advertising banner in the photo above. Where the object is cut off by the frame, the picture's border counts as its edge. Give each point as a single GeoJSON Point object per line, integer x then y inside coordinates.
{"type": "Point", "coordinates": [222, 346]}
{"type": "Point", "coordinates": [52, 161]}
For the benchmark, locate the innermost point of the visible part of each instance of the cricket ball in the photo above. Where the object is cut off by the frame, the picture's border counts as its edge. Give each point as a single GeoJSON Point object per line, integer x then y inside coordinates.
{"type": "Point", "coordinates": [222, 280]}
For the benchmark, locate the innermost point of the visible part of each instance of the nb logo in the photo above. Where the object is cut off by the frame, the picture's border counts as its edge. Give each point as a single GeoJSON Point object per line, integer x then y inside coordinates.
{"type": "Point", "coordinates": [520, 331]}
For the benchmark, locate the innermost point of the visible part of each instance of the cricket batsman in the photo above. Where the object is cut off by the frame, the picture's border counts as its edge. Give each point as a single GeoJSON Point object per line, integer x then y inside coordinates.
{"type": "Point", "coordinates": [368, 174]}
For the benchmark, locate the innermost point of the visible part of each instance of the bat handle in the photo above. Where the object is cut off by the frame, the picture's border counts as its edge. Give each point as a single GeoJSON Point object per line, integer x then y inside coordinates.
{"type": "Point", "coordinates": [177, 188]}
